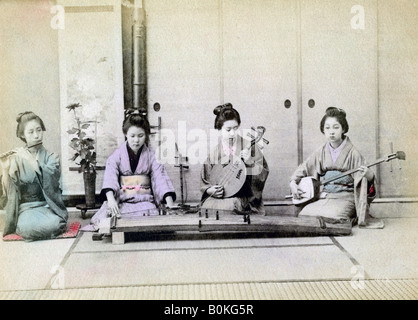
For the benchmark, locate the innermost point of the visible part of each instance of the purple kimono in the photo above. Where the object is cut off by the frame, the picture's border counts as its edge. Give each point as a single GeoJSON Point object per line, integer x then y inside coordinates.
{"type": "Point", "coordinates": [118, 164]}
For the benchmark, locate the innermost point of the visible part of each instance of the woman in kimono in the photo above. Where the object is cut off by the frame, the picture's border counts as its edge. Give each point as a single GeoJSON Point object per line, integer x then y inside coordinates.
{"type": "Point", "coordinates": [30, 185]}
{"type": "Point", "coordinates": [349, 197]}
{"type": "Point", "coordinates": [135, 183]}
{"type": "Point", "coordinates": [231, 144]}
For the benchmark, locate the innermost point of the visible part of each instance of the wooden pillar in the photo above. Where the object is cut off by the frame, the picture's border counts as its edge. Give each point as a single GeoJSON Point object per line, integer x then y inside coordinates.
{"type": "Point", "coordinates": [139, 60]}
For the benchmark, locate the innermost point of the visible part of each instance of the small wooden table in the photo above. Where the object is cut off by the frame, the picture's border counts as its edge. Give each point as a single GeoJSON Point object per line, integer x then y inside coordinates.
{"type": "Point", "coordinates": [83, 207]}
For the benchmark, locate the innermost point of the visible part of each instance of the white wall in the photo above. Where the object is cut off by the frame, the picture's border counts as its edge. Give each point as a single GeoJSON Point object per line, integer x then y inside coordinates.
{"type": "Point", "coordinates": [29, 70]}
{"type": "Point", "coordinates": [90, 53]}
{"type": "Point", "coordinates": [202, 53]}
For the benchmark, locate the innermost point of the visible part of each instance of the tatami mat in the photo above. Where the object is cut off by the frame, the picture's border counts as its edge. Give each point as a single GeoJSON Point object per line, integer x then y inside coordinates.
{"type": "Point", "coordinates": [389, 253]}
{"type": "Point", "coordinates": [369, 264]}
{"type": "Point", "coordinates": [406, 289]}
{"type": "Point", "coordinates": [30, 265]}
{"type": "Point", "coordinates": [217, 265]}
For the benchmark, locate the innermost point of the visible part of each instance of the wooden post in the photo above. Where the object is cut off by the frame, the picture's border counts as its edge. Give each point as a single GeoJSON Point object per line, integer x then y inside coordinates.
{"type": "Point", "coordinates": [118, 237]}
{"type": "Point", "coordinates": [139, 60]}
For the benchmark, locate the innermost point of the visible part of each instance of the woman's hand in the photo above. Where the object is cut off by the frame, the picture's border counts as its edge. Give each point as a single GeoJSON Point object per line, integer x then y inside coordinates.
{"type": "Point", "coordinates": [169, 202]}
{"type": "Point", "coordinates": [112, 205]}
{"type": "Point", "coordinates": [294, 188]}
{"type": "Point", "coordinates": [367, 172]}
{"type": "Point", "coordinates": [245, 155]}
{"type": "Point", "coordinates": [215, 191]}
{"type": "Point", "coordinates": [29, 157]}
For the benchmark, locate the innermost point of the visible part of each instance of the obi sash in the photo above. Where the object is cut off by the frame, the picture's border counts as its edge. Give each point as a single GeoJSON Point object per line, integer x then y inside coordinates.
{"type": "Point", "coordinates": [138, 184]}
{"type": "Point", "coordinates": [344, 184]}
{"type": "Point", "coordinates": [31, 192]}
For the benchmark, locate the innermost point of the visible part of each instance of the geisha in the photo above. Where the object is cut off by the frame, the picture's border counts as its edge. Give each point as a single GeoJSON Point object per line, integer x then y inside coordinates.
{"type": "Point", "coordinates": [231, 144]}
{"type": "Point", "coordinates": [30, 190]}
{"type": "Point", "coordinates": [135, 183]}
{"type": "Point", "coordinates": [349, 197]}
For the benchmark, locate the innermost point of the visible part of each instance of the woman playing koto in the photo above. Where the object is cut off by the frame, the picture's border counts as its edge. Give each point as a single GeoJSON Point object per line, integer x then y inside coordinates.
{"type": "Point", "coordinates": [30, 191]}
{"type": "Point", "coordinates": [348, 197]}
{"type": "Point", "coordinates": [135, 183]}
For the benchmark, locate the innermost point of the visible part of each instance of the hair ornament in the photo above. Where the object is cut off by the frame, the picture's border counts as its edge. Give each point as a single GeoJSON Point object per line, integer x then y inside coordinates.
{"type": "Point", "coordinates": [131, 112]}
{"type": "Point", "coordinates": [226, 106]}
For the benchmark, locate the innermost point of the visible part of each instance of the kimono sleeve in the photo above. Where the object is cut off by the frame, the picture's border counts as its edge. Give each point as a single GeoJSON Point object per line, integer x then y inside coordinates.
{"type": "Point", "coordinates": [50, 177]}
{"type": "Point", "coordinates": [213, 158]}
{"type": "Point", "coordinates": [369, 188]}
{"type": "Point", "coordinates": [11, 207]}
{"type": "Point", "coordinates": [111, 175]}
{"type": "Point", "coordinates": [310, 167]}
{"type": "Point", "coordinates": [160, 181]}
{"type": "Point", "coordinates": [51, 165]}
{"type": "Point", "coordinates": [3, 191]}
{"type": "Point", "coordinates": [10, 197]}
{"type": "Point", "coordinates": [204, 178]}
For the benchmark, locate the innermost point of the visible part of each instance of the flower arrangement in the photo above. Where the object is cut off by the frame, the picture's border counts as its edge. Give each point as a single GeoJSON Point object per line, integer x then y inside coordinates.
{"type": "Point", "coordinates": [83, 145]}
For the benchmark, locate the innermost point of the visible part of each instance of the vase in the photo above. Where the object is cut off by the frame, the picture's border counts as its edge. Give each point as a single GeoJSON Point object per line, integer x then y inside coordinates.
{"type": "Point", "coordinates": [89, 176]}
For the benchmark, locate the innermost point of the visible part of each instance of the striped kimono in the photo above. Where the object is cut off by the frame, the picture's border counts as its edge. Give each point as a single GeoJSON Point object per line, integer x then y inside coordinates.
{"type": "Point", "coordinates": [347, 198]}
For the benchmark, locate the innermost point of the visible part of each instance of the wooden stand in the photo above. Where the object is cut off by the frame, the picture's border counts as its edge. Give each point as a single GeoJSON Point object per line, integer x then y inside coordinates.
{"type": "Point", "coordinates": [223, 222]}
{"type": "Point", "coordinates": [83, 207]}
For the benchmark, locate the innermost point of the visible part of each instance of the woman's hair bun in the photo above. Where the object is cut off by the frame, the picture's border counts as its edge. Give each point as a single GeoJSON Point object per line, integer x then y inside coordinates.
{"type": "Point", "coordinates": [222, 107]}
{"type": "Point", "coordinates": [217, 110]}
{"type": "Point", "coordinates": [335, 110]}
{"type": "Point", "coordinates": [20, 115]}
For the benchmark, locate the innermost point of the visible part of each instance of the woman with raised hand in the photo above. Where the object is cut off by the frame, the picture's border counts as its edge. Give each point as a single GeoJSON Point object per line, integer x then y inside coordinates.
{"type": "Point", "coordinates": [231, 145]}
{"type": "Point", "coordinates": [31, 185]}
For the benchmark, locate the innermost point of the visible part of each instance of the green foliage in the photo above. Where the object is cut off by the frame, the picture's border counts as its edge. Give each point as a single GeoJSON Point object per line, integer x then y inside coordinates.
{"type": "Point", "coordinates": [83, 146]}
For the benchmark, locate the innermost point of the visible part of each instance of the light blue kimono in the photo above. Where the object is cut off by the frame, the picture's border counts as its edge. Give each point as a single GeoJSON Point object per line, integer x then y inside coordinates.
{"type": "Point", "coordinates": [33, 202]}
